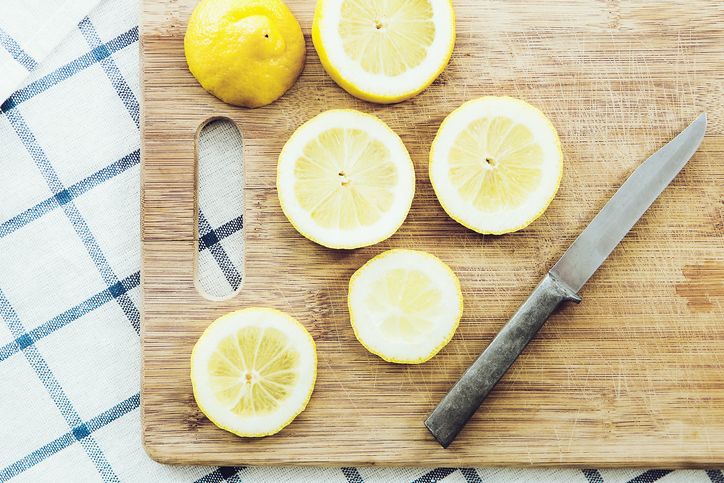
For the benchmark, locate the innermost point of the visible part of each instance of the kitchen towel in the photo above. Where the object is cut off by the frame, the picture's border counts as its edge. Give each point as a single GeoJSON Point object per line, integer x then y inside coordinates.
{"type": "Point", "coordinates": [70, 270]}
{"type": "Point", "coordinates": [29, 31]}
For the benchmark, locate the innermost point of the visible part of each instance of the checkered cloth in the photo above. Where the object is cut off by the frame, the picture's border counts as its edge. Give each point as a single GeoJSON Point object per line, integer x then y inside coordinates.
{"type": "Point", "coordinates": [70, 258]}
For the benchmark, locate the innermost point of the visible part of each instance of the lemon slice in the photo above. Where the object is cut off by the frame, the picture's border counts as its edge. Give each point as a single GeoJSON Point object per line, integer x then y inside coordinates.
{"type": "Point", "coordinates": [384, 51]}
{"type": "Point", "coordinates": [405, 305]}
{"type": "Point", "coordinates": [345, 180]}
{"type": "Point", "coordinates": [253, 371]}
{"type": "Point", "coordinates": [496, 164]}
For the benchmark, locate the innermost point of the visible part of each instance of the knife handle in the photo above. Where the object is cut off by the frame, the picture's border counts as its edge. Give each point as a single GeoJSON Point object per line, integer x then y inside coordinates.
{"type": "Point", "coordinates": [466, 396]}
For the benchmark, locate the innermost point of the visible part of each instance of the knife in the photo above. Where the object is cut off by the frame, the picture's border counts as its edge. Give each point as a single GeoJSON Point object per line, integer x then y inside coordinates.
{"type": "Point", "coordinates": [564, 280]}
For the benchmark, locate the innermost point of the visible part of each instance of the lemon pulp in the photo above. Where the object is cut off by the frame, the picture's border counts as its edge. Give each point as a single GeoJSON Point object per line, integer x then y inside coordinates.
{"type": "Point", "coordinates": [253, 371]}
{"type": "Point", "coordinates": [387, 37]}
{"type": "Point", "coordinates": [495, 164]}
{"type": "Point", "coordinates": [345, 179]}
{"type": "Point", "coordinates": [407, 303]}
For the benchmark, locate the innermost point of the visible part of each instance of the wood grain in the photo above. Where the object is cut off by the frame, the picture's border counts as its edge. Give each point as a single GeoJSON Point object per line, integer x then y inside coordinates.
{"type": "Point", "coordinates": [631, 377]}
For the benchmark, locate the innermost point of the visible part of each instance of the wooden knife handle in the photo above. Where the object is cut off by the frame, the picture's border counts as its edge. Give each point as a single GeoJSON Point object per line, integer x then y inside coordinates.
{"type": "Point", "coordinates": [466, 396]}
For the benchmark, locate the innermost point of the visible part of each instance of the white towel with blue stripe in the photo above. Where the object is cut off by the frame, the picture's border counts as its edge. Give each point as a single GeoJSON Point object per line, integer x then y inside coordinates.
{"type": "Point", "coordinates": [70, 264]}
{"type": "Point", "coordinates": [29, 31]}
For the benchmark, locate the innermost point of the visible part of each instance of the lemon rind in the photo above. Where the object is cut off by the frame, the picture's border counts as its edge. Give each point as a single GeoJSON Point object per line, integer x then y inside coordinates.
{"type": "Point", "coordinates": [256, 94]}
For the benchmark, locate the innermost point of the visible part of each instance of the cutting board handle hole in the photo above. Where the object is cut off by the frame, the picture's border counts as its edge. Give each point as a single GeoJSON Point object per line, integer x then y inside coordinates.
{"type": "Point", "coordinates": [219, 258]}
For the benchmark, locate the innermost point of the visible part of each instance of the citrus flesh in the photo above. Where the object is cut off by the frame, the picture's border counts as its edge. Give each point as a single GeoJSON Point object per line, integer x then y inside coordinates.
{"type": "Point", "coordinates": [253, 371]}
{"type": "Point", "coordinates": [496, 164]}
{"type": "Point", "coordinates": [245, 52]}
{"type": "Point", "coordinates": [405, 305]}
{"type": "Point", "coordinates": [345, 180]}
{"type": "Point", "coordinates": [384, 51]}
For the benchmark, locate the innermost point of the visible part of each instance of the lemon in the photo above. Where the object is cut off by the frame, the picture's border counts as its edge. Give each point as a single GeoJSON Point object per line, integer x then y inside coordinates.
{"type": "Point", "coordinates": [253, 371]}
{"type": "Point", "coordinates": [496, 164]}
{"type": "Point", "coordinates": [384, 51]}
{"type": "Point", "coordinates": [245, 52]}
{"type": "Point", "coordinates": [345, 179]}
{"type": "Point", "coordinates": [405, 305]}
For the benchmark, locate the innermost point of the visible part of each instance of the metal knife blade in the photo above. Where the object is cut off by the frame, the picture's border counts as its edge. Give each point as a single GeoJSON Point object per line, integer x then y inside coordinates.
{"type": "Point", "coordinates": [564, 280]}
{"type": "Point", "coordinates": [626, 206]}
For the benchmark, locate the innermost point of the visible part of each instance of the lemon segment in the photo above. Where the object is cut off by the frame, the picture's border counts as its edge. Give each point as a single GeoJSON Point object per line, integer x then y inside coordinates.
{"type": "Point", "coordinates": [405, 305]}
{"type": "Point", "coordinates": [245, 52]}
{"type": "Point", "coordinates": [496, 164]}
{"type": "Point", "coordinates": [345, 180]}
{"type": "Point", "coordinates": [253, 371]}
{"type": "Point", "coordinates": [384, 51]}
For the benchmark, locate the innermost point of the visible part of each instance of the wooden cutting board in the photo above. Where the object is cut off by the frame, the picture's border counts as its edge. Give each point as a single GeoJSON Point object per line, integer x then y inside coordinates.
{"type": "Point", "coordinates": [631, 377]}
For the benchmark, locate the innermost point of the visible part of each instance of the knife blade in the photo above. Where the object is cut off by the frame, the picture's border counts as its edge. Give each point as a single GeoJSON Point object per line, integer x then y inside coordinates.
{"type": "Point", "coordinates": [563, 281]}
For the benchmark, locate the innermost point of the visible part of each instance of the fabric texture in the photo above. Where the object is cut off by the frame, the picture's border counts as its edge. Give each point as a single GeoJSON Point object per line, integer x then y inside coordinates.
{"type": "Point", "coordinates": [221, 203]}
{"type": "Point", "coordinates": [29, 31]}
{"type": "Point", "coordinates": [70, 263]}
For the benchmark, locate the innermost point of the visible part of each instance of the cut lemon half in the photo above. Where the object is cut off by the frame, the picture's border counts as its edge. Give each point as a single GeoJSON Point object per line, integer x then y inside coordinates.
{"type": "Point", "coordinates": [345, 180]}
{"type": "Point", "coordinates": [496, 164]}
{"type": "Point", "coordinates": [245, 52]}
{"type": "Point", "coordinates": [405, 305]}
{"type": "Point", "coordinates": [384, 51]}
{"type": "Point", "coordinates": [253, 371]}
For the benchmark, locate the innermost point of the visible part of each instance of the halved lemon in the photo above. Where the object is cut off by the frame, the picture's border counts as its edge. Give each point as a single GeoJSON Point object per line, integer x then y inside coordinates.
{"type": "Point", "coordinates": [384, 51]}
{"type": "Point", "coordinates": [405, 305]}
{"type": "Point", "coordinates": [253, 371]}
{"type": "Point", "coordinates": [245, 52]}
{"type": "Point", "coordinates": [496, 164]}
{"type": "Point", "coordinates": [345, 180]}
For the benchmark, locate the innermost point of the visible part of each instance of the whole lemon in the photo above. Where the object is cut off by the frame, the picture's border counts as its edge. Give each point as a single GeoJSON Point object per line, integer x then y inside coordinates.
{"type": "Point", "coordinates": [245, 52]}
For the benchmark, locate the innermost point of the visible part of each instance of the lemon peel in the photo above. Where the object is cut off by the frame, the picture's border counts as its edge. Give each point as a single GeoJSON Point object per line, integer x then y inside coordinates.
{"type": "Point", "coordinates": [245, 52]}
